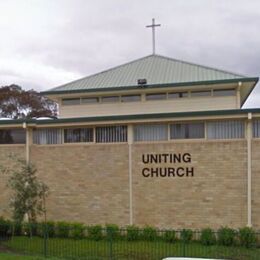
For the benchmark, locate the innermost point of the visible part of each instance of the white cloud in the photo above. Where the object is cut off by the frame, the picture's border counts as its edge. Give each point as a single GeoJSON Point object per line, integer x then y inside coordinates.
{"type": "Point", "coordinates": [45, 43]}
{"type": "Point", "coordinates": [33, 75]}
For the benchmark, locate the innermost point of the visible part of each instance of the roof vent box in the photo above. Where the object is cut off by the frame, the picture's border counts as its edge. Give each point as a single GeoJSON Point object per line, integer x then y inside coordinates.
{"type": "Point", "coordinates": [141, 81]}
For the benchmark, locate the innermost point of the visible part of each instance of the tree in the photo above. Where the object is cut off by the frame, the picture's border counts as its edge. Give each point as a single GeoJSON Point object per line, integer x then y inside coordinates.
{"type": "Point", "coordinates": [29, 193]}
{"type": "Point", "coordinates": [18, 103]}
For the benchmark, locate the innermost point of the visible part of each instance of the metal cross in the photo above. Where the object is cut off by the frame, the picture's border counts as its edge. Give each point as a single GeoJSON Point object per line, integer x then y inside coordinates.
{"type": "Point", "coordinates": [153, 25]}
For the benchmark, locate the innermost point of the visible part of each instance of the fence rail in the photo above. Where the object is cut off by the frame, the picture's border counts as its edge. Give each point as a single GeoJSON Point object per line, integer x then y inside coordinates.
{"type": "Point", "coordinates": [79, 242]}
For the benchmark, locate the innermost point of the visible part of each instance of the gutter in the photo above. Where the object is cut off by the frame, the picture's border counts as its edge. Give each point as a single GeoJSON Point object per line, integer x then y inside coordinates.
{"type": "Point", "coordinates": [150, 86]}
{"type": "Point", "coordinates": [132, 117]}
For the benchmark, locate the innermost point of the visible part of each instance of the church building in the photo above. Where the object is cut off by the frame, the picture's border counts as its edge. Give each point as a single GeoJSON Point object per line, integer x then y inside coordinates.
{"type": "Point", "coordinates": [156, 141]}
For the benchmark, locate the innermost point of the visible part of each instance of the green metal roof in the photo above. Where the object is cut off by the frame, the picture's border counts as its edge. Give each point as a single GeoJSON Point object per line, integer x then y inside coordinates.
{"type": "Point", "coordinates": [156, 69]}
{"type": "Point", "coordinates": [132, 117]}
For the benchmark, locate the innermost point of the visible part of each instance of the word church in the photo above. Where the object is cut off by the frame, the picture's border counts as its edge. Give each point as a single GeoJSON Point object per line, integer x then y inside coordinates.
{"type": "Point", "coordinates": [156, 141]}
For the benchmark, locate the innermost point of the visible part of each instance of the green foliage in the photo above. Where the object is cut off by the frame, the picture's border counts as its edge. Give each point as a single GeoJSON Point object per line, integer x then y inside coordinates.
{"type": "Point", "coordinates": [63, 229]}
{"type": "Point", "coordinates": [28, 192]}
{"type": "Point", "coordinates": [132, 233]}
{"type": "Point", "coordinates": [169, 236]}
{"type": "Point", "coordinates": [226, 236]}
{"type": "Point", "coordinates": [95, 232]}
{"type": "Point", "coordinates": [4, 228]}
{"type": "Point", "coordinates": [112, 231]}
{"type": "Point", "coordinates": [207, 237]}
{"type": "Point", "coordinates": [50, 228]}
{"type": "Point", "coordinates": [18, 103]}
{"type": "Point", "coordinates": [247, 237]}
{"type": "Point", "coordinates": [77, 230]}
{"type": "Point", "coordinates": [186, 235]}
{"type": "Point", "coordinates": [41, 229]}
{"type": "Point", "coordinates": [149, 234]}
{"type": "Point", "coordinates": [17, 228]}
{"type": "Point", "coordinates": [30, 229]}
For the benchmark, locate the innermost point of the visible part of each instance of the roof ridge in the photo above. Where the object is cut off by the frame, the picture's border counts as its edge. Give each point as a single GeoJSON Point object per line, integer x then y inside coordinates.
{"type": "Point", "coordinates": [103, 71]}
{"type": "Point", "coordinates": [200, 65]}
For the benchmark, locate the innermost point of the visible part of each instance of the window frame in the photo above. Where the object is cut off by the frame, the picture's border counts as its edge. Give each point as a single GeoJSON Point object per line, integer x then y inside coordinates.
{"type": "Point", "coordinates": [66, 99]}
{"type": "Point", "coordinates": [77, 128]}
{"type": "Point", "coordinates": [99, 127]}
{"type": "Point", "coordinates": [60, 130]}
{"type": "Point", "coordinates": [89, 103]}
{"type": "Point", "coordinates": [131, 95]}
{"type": "Point", "coordinates": [224, 90]}
{"type": "Point", "coordinates": [14, 129]}
{"type": "Point", "coordinates": [244, 134]}
{"type": "Point", "coordinates": [201, 91]}
{"type": "Point", "coordinates": [154, 94]}
{"type": "Point", "coordinates": [109, 102]}
{"type": "Point", "coordinates": [151, 124]}
{"type": "Point", "coordinates": [179, 97]}
{"type": "Point", "coordinates": [187, 123]}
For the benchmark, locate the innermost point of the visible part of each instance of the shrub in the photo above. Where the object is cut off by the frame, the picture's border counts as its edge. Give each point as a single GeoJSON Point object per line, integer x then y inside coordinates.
{"type": "Point", "coordinates": [132, 233]}
{"type": "Point", "coordinates": [17, 228]}
{"type": "Point", "coordinates": [40, 229]}
{"type": "Point", "coordinates": [169, 236]}
{"type": "Point", "coordinates": [62, 229]}
{"type": "Point", "coordinates": [207, 237]}
{"type": "Point", "coordinates": [4, 228]}
{"type": "Point", "coordinates": [30, 229]}
{"type": "Point", "coordinates": [226, 236]}
{"type": "Point", "coordinates": [95, 232]}
{"type": "Point", "coordinates": [50, 228]}
{"type": "Point", "coordinates": [247, 237]}
{"type": "Point", "coordinates": [77, 230]}
{"type": "Point", "coordinates": [47, 229]}
{"type": "Point", "coordinates": [149, 234]}
{"type": "Point", "coordinates": [112, 231]}
{"type": "Point", "coordinates": [186, 235]}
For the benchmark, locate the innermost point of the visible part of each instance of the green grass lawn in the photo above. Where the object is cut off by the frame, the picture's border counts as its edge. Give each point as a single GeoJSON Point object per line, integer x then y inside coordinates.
{"type": "Point", "coordinates": [9, 256]}
{"type": "Point", "coordinates": [140, 250]}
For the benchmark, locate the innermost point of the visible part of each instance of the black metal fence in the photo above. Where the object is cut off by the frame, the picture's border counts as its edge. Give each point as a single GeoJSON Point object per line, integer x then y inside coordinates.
{"type": "Point", "coordinates": [79, 242]}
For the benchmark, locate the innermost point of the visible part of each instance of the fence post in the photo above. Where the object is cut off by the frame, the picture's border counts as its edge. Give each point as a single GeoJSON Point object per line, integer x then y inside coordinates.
{"type": "Point", "coordinates": [183, 247]}
{"type": "Point", "coordinates": [110, 241]}
{"type": "Point", "coordinates": [45, 239]}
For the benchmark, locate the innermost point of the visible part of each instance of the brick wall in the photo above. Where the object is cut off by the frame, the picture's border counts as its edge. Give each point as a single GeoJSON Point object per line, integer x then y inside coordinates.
{"type": "Point", "coordinates": [7, 162]}
{"type": "Point", "coordinates": [214, 196]}
{"type": "Point", "coordinates": [90, 183]}
{"type": "Point", "coordinates": [87, 183]}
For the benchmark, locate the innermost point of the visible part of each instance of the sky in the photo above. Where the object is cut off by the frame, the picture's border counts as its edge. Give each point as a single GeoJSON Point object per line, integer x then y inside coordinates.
{"type": "Point", "coordinates": [46, 43]}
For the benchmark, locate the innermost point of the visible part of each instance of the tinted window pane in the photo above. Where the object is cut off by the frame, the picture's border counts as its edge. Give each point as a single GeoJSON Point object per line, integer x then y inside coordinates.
{"type": "Point", "coordinates": [110, 99]}
{"type": "Point", "coordinates": [154, 132]}
{"type": "Point", "coordinates": [131, 98]}
{"type": "Point", "coordinates": [187, 131]}
{"type": "Point", "coordinates": [256, 128]}
{"type": "Point", "coordinates": [47, 136]}
{"type": "Point", "coordinates": [225, 129]}
{"type": "Point", "coordinates": [89, 100]}
{"type": "Point", "coordinates": [177, 95]}
{"type": "Point", "coordinates": [201, 93]}
{"type": "Point", "coordinates": [224, 92]}
{"type": "Point", "coordinates": [111, 134]}
{"type": "Point", "coordinates": [76, 135]}
{"type": "Point", "coordinates": [160, 96]}
{"type": "Point", "coordinates": [71, 101]}
{"type": "Point", "coordinates": [12, 136]}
